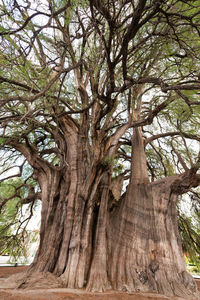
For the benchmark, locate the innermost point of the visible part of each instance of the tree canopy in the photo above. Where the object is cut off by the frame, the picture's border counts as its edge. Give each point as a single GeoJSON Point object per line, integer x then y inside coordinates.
{"type": "Point", "coordinates": [100, 68]}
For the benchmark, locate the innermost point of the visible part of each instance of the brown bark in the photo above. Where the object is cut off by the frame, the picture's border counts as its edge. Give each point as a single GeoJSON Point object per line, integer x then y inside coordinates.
{"type": "Point", "coordinates": [98, 277]}
{"type": "Point", "coordinates": [145, 251]}
{"type": "Point", "coordinates": [139, 172]}
{"type": "Point", "coordinates": [135, 246]}
{"type": "Point", "coordinates": [53, 215]}
{"type": "Point", "coordinates": [145, 243]}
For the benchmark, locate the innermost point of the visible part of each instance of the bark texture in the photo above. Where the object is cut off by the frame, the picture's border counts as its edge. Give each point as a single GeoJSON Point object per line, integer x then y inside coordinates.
{"type": "Point", "coordinates": [135, 246]}
{"type": "Point", "coordinates": [145, 243]}
{"type": "Point", "coordinates": [145, 252]}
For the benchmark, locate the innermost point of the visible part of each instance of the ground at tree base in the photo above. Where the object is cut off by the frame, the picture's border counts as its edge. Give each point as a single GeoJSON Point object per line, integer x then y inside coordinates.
{"type": "Point", "coordinates": [66, 294]}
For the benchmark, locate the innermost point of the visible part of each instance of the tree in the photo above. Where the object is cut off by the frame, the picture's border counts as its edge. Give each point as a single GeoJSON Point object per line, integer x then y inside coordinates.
{"type": "Point", "coordinates": [15, 236]}
{"type": "Point", "coordinates": [96, 95]}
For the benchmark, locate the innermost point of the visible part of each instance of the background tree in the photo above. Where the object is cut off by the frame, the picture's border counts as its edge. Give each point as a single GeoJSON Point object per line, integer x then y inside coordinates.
{"type": "Point", "coordinates": [96, 95]}
{"type": "Point", "coordinates": [17, 209]}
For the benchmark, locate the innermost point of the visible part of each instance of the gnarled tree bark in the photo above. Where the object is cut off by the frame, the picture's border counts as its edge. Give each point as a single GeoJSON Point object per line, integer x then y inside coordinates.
{"type": "Point", "coordinates": [135, 246]}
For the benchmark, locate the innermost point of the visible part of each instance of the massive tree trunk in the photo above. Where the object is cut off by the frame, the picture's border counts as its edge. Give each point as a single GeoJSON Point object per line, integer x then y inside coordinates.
{"type": "Point", "coordinates": [145, 252]}
{"type": "Point", "coordinates": [145, 248]}
{"type": "Point", "coordinates": [133, 247]}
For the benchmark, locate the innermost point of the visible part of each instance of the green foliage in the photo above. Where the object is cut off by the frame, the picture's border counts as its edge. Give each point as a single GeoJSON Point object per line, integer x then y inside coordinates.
{"type": "Point", "coordinates": [118, 167]}
{"type": "Point", "coordinates": [8, 188]}
{"type": "Point", "coordinates": [190, 236]}
{"type": "Point", "coordinates": [108, 161]}
{"type": "Point", "coordinates": [181, 111]}
{"type": "Point", "coordinates": [14, 236]}
{"type": "Point", "coordinates": [8, 226]}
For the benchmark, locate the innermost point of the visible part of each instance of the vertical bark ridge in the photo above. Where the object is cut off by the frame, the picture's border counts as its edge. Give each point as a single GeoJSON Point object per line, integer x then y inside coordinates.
{"type": "Point", "coordinates": [69, 275]}
{"type": "Point", "coordinates": [52, 221]}
{"type": "Point", "coordinates": [84, 177]}
{"type": "Point", "coordinates": [71, 138]}
{"type": "Point", "coordinates": [86, 235]}
{"type": "Point", "coordinates": [98, 276]}
{"type": "Point", "coordinates": [139, 173]}
{"type": "Point", "coordinates": [73, 276]}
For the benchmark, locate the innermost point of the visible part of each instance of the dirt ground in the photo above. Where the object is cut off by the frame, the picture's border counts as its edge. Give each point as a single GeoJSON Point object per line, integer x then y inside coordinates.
{"type": "Point", "coordinates": [68, 294]}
